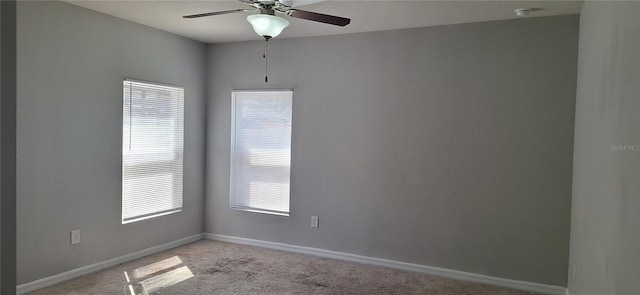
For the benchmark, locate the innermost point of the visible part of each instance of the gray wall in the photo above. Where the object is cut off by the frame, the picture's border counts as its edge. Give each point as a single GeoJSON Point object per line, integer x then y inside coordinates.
{"type": "Point", "coordinates": [446, 146]}
{"type": "Point", "coordinates": [71, 62]}
{"type": "Point", "coordinates": [605, 225]}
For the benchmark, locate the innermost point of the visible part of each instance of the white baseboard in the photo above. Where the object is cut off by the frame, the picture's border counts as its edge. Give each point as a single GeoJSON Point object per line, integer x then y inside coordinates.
{"type": "Point", "coordinates": [74, 273]}
{"type": "Point", "coordinates": [442, 272]}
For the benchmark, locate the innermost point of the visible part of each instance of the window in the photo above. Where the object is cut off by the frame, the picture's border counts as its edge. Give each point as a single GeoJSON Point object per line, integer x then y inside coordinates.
{"type": "Point", "coordinates": [261, 151]}
{"type": "Point", "coordinates": [152, 135]}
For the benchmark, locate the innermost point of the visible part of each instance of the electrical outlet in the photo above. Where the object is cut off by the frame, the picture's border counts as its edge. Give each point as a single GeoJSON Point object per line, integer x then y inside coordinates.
{"type": "Point", "coordinates": [75, 237]}
{"type": "Point", "coordinates": [314, 221]}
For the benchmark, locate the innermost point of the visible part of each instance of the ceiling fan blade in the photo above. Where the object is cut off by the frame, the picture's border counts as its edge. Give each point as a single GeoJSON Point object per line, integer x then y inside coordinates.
{"type": "Point", "coordinates": [298, 3]}
{"type": "Point", "coordinates": [319, 17]}
{"type": "Point", "coordinates": [216, 13]}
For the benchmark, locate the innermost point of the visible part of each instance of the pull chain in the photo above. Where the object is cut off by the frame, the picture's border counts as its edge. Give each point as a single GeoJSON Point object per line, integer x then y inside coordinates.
{"type": "Point", "coordinates": [264, 55]}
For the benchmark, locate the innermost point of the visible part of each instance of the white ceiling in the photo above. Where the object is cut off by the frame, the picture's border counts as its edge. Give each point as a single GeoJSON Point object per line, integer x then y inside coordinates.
{"type": "Point", "coordinates": [366, 15]}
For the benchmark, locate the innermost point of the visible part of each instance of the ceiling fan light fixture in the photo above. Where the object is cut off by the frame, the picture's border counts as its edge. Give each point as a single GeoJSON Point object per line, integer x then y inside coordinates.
{"type": "Point", "coordinates": [266, 25]}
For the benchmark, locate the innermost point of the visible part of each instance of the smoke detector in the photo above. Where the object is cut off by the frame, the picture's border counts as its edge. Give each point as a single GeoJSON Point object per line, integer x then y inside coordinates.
{"type": "Point", "coordinates": [523, 12]}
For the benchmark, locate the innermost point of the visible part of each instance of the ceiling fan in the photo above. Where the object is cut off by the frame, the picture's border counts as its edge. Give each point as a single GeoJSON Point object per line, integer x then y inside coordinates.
{"type": "Point", "coordinates": [267, 25]}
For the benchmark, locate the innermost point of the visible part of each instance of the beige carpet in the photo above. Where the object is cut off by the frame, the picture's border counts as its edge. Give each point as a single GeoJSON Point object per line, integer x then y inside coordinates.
{"type": "Point", "coordinates": [207, 267]}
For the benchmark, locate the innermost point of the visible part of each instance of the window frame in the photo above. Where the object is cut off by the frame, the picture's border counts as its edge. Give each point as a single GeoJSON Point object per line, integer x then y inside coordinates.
{"type": "Point", "coordinates": [176, 156]}
{"type": "Point", "coordinates": [234, 93]}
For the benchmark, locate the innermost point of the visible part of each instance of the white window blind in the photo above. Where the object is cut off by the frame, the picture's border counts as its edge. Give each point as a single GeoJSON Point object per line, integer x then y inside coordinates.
{"type": "Point", "coordinates": [152, 148]}
{"type": "Point", "coordinates": [261, 151]}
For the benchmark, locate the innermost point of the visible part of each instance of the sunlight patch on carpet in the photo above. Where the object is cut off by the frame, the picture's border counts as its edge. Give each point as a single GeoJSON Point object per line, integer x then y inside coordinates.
{"type": "Point", "coordinates": [158, 275]}
{"type": "Point", "coordinates": [166, 279]}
